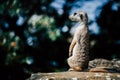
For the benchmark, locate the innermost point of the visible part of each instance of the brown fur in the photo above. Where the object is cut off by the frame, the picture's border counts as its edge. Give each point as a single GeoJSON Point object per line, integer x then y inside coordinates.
{"type": "Point", "coordinates": [104, 65]}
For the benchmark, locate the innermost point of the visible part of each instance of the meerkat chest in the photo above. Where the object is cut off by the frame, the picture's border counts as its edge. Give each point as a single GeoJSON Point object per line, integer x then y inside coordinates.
{"type": "Point", "coordinates": [79, 29]}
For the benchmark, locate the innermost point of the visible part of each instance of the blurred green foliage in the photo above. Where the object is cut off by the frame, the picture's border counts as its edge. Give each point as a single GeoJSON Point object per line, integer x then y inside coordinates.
{"type": "Point", "coordinates": [37, 23]}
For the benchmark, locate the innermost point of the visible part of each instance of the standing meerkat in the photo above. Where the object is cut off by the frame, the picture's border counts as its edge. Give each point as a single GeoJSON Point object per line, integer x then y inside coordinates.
{"type": "Point", "coordinates": [79, 47]}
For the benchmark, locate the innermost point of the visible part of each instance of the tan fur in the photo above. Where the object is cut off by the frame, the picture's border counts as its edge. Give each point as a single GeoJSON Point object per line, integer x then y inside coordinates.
{"type": "Point", "coordinates": [98, 70]}
{"type": "Point", "coordinates": [104, 65]}
{"type": "Point", "coordinates": [79, 48]}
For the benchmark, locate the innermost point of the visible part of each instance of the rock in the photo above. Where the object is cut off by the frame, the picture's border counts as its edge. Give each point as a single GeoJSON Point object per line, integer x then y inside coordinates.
{"type": "Point", "coordinates": [75, 76]}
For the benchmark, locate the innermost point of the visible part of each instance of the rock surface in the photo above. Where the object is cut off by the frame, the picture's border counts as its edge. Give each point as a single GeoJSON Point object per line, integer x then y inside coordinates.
{"type": "Point", "coordinates": [75, 76]}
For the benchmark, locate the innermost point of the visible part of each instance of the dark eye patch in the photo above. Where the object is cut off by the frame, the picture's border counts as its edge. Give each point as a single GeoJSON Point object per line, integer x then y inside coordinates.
{"type": "Point", "coordinates": [75, 14]}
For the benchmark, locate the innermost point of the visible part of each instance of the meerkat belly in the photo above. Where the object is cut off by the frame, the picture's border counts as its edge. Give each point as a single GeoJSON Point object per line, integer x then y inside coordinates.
{"type": "Point", "coordinates": [79, 52]}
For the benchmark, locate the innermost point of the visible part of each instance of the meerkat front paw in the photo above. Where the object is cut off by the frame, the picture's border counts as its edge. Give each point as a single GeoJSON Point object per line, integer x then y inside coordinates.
{"type": "Point", "coordinates": [75, 69]}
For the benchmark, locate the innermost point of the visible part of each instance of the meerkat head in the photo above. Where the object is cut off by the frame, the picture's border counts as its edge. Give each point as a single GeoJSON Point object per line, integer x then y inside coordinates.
{"type": "Point", "coordinates": [79, 16]}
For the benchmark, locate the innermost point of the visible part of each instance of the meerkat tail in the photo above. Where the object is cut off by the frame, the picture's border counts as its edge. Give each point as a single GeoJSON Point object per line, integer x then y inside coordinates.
{"type": "Point", "coordinates": [98, 70]}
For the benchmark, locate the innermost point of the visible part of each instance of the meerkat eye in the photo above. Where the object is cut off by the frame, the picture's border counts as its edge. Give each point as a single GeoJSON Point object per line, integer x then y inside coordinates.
{"type": "Point", "coordinates": [75, 14]}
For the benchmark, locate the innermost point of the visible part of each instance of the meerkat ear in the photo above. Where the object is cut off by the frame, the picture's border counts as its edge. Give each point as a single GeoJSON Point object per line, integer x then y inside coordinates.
{"type": "Point", "coordinates": [81, 17]}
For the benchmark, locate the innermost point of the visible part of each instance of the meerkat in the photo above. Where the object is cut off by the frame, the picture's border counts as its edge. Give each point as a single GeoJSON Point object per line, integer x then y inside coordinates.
{"type": "Point", "coordinates": [79, 47]}
{"type": "Point", "coordinates": [100, 65]}
{"type": "Point", "coordinates": [104, 65]}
